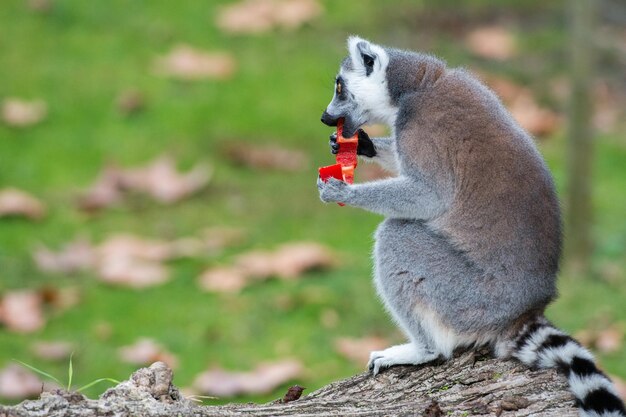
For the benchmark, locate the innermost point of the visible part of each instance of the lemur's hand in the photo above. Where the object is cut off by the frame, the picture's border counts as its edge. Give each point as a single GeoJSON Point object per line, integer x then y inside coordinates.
{"type": "Point", "coordinates": [333, 190]}
{"type": "Point", "coordinates": [364, 148]}
{"type": "Point", "coordinates": [334, 146]}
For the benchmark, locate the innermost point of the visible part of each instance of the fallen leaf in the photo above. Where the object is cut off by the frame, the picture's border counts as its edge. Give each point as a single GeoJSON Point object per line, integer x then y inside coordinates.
{"type": "Point", "coordinates": [163, 182]}
{"type": "Point", "coordinates": [158, 179]}
{"type": "Point", "coordinates": [21, 311]}
{"type": "Point", "coordinates": [23, 113]}
{"type": "Point", "coordinates": [257, 16]}
{"type": "Point", "coordinates": [14, 202]}
{"type": "Point", "coordinates": [60, 299]}
{"type": "Point", "coordinates": [18, 383]}
{"type": "Point", "coordinates": [76, 256]}
{"type": "Point", "coordinates": [132, 272]}
{"type": "Point", "coordinates": [603, 336]}
{"type": "Point", "coordinates": [492, 42]}
{"type": "Point", "coordinates": [146, 351]}
{"type": "Point", "coordinates": [218, 238]}
{"type": "Point", "coordinates": [223, 280]}
{"type": "Point", "coordinates": [358, 349]}
{"type": "Point", "coordinates": [267, 157]}
{"type": "Point", "coordinates": [40, 6]}
{"type": "Point", "coordinates": [610, 340]}
{"type": "Point", "coordinates": [291, 14]}
{"type": "Point", "coordinates": [329, 318]}
{"type": "Point", "coordinates": [53, 350]}
{"type": "Point", "coordinates": [537, 120]}
{"type": "Point", "coordinates": [293, 393]}
{"type": "Point", "coordinates": [294, 259]}
{"type": "Point", "coordinates": [187, 63]}
{"type": "Point", "coordinates": [105, 192]}
{"type": "Point", "coordinates": [262, 380]}
{"type": "Point", "coordinates": [124, 245]}
{"type": "Point", "coordinates": [130, 102]}
{"type": "Point", "coordinates": [289, 261]}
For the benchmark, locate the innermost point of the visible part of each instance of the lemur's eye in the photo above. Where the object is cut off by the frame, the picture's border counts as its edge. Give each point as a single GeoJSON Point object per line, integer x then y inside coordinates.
{"type": "Point", "coordinates": [338, 87]}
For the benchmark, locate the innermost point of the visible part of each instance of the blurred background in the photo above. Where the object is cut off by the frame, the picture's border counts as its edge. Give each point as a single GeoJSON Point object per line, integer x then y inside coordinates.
{"type": "Point", "coordinates": [158, 163]}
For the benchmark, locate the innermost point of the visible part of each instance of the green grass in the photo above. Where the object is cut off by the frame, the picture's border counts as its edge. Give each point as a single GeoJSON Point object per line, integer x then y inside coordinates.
{"type": "Point", "coordinates": [83, 54]}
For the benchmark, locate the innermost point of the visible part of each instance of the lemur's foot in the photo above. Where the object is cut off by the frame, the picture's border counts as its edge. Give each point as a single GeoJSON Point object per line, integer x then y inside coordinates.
{"type": "Point", "coordinates": [406, 354]}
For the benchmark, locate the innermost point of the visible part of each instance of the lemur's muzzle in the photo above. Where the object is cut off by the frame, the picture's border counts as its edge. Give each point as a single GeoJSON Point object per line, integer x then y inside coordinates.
{"type": "Point", "coordinates": [329, 120]}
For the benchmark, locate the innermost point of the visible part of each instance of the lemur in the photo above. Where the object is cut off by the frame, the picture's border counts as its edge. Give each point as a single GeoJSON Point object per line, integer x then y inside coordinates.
{"type": "Point", "coordinates": [469, 249]}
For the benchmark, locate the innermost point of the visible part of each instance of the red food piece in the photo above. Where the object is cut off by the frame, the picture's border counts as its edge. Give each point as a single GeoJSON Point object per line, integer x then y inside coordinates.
{"type": "Point", "coordinates": [346, 158]}
{"type": "Point", "coordinates": [333, 171]}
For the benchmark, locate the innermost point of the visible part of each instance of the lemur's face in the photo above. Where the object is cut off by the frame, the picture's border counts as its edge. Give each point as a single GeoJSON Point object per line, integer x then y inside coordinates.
{"type": "Point", "coordinates": [361, 95]}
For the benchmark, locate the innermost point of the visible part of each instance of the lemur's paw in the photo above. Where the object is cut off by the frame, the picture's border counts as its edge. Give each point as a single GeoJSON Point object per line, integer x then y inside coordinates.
{"type": "Point", "coordinates": [333, 190]}
{"type": "Point", "coordinates": [406, 354]}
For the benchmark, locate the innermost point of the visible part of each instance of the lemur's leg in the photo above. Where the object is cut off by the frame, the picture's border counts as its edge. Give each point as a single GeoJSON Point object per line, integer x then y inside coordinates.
{"type": "Point", "coordinates": [400, 197]}
{"type": "Point", "coordinates": [413, 267]}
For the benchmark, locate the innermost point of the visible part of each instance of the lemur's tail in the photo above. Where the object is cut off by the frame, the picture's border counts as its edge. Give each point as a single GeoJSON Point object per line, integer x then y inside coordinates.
{"type": "Point", "coordinates": [541, 345]}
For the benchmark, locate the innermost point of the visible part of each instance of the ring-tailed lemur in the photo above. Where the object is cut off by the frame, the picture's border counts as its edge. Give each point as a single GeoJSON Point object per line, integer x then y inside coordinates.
{"type": "Point", "coordinates": [469, 250]}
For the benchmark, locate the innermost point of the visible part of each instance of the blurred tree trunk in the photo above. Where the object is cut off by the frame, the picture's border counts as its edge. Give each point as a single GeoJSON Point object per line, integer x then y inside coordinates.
{"type": "Point", "coordinates": [579, 244]}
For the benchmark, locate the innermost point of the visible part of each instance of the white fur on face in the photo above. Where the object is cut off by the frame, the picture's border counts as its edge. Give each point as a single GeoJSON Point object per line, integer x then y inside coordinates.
{"type": "Point", "coordinates": [370, 92]}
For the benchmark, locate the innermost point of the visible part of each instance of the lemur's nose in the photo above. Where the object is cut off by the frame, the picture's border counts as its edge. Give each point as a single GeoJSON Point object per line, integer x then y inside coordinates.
{"type": "Point", "coordinates": [329, 120]}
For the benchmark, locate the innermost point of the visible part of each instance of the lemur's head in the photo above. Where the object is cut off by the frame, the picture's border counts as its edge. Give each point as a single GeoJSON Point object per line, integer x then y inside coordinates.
{"type": "Point", "coordinates": [361, 88]}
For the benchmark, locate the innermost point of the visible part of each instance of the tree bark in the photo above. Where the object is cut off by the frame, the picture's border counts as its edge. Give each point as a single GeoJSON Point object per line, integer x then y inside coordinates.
{"type": "Point", "coordinates": [468, 385]}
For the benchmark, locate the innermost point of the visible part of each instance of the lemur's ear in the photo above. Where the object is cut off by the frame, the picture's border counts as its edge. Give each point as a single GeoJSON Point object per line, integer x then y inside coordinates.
{"type": "Point", "coordinates": [364, 55]}
{"type": "Point", "coordinates": [367, 56]}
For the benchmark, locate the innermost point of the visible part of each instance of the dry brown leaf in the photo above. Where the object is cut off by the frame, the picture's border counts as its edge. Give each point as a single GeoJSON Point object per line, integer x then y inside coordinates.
{"type": "Point", "coordinates": [14, 202]}
{"type": "Point", "coordinates": [291, 14]}
{"type": "Point", "coordinates": [492, 42]}
{"type": "Point", "coordinates": [257, 16]}
{"type": "Point", "coordinates": [358, 350]}
{"type": "Point", "coordinates": [60, 298]}
{"type": "Point", "coordinates": [54, 350]}
{"type": "Point", "coordinates": [223, 280]}
{"type": "Point", "coordinates": [132, 272]}
{"type": "Point", "coordinates": [75, 256]}
{"type": "Point", "coordinates": [23, 113]}
{"type": "Point", "coordinates": [40, 6]}
{"type": "Point", "coordinates": [256, 264]}
{"type": "Point", "coordinates": [187, 63]}
{"type": "Point", "coordinates": [293, 259]}
{"type": "Point", "coordinates": [535, 119]}
{"type": "Point", "coordinates": [538, 120]}
{"type": "Point", "coordinates": [130, 102]}
{"type": "Point", "coordinates": [21, 311]}
{"type": "Point", "coordinates": [610, 340]}
{"type": "Point", "coordinates": [267, 157]}
{"type": "Point", "coordinates": [158, 179]}
{"type": "Point", "coordinates": [145, 351]}
{"type": "Point", "coordinates": [163, 182]}
{"type": "Point", "coordinates": [218, 238]}
{"type": "Point", "coordinates": [105, 192]}
{"type": "Point", "coordinates": [18, 383]}
{"type": "Point", "coordinates": [263, 379]}
{"type": "Point", "coordinates": [602, 336]}
{"type": "Point", "coordinates": [289, 261]}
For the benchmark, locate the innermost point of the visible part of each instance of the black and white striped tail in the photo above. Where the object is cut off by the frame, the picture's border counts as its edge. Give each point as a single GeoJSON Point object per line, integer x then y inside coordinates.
{"type": "Point", "coordinates": [541, 345]}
